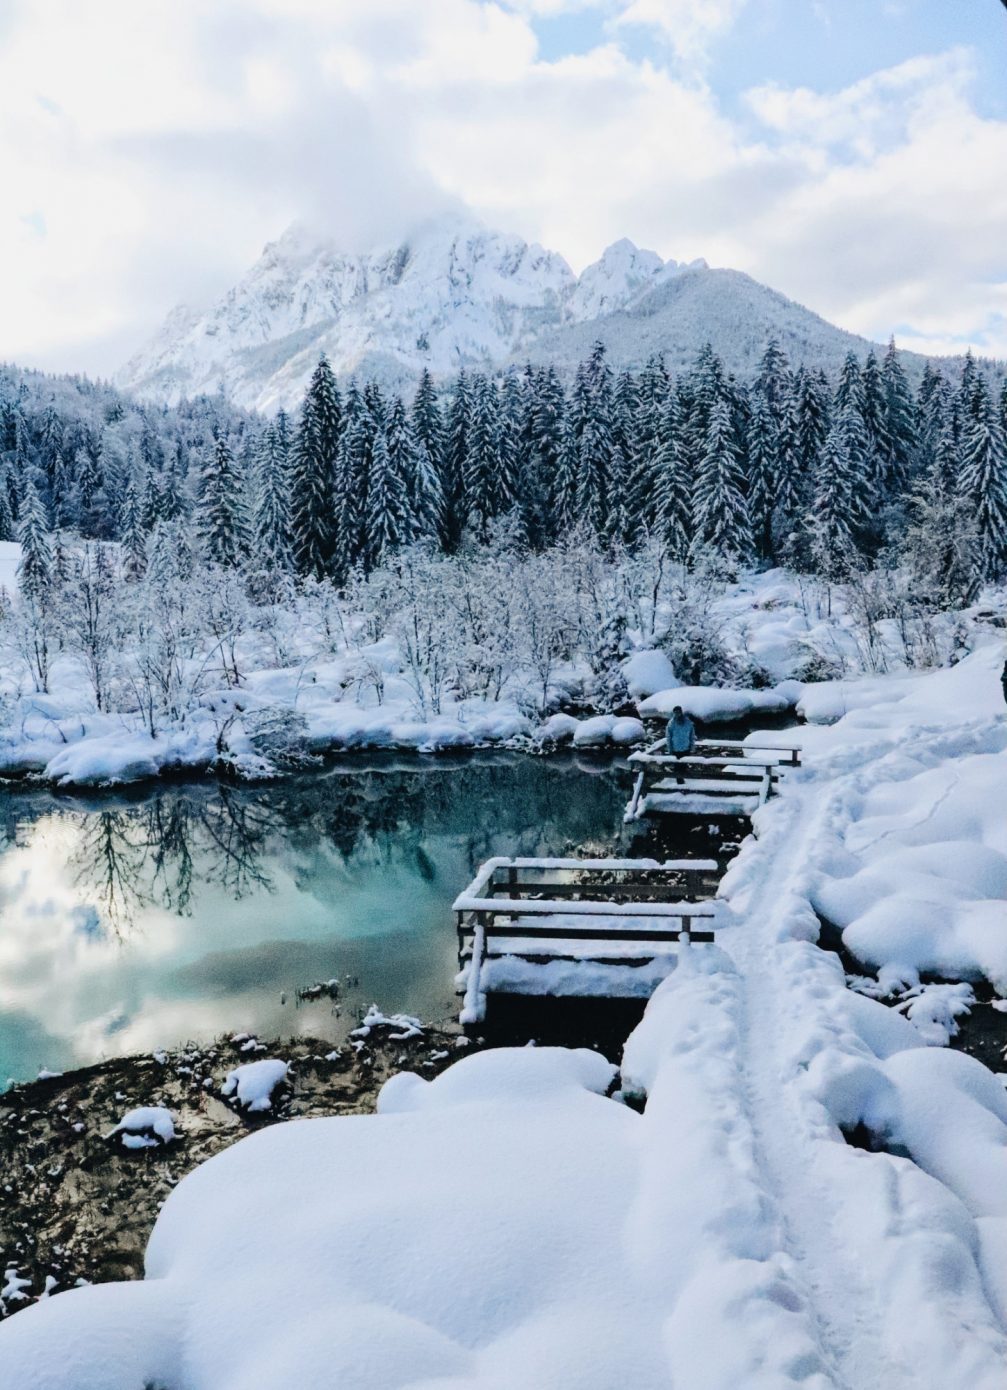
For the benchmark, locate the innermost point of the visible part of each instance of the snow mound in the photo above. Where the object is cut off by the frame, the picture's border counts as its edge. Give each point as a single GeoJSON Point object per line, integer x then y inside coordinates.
{"type": "Point", "coordinates": [714, 705]}
{"type": "Point", "coordinates": [253, 1083]}
{"type": "Point", "coordinates": [147, 1127]}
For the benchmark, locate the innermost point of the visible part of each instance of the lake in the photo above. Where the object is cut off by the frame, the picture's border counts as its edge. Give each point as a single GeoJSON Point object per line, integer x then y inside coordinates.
{"type": "Point", "coordinates": [138, 921]}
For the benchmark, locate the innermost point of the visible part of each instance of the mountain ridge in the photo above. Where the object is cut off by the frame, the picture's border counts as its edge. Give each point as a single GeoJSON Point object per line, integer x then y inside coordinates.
{"type": "Point", "coordinates": [454, 295]}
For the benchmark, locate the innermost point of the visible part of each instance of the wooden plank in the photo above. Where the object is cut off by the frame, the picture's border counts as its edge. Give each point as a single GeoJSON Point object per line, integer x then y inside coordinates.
{"type": "Point", "coordinates": [584, 908]}
{"type": "Point", "coordinates": [529, 933]}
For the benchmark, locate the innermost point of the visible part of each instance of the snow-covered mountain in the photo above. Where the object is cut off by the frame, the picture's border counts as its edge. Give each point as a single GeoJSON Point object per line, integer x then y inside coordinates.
{"type": "Point", "coordinates": [456, 294]}
{"type": "Point", "coordinates": [453, 295]}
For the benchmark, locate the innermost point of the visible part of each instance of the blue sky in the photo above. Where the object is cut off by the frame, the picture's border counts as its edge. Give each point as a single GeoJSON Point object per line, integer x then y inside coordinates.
{"type": "Point", "coordinates": [825, 44]}
{"type": "Point", "coordinates": [850, 153]}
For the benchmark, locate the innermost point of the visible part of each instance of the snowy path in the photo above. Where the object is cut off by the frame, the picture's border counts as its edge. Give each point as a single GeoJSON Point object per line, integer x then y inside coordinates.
{"type": "Point", "coordinates": [787, 1021]}
{"type": "Point", "coordinates": [839, 1300]}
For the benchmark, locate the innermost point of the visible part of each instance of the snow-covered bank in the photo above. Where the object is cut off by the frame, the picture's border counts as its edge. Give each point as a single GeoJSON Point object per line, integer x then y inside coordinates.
{"type": "Point", "coordinates": [185, 669]}
{"type": "Point", "coordinates": [728, 1235]}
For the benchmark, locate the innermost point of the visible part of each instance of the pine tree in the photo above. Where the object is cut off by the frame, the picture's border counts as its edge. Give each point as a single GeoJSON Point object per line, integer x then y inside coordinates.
{"type": "Point", "coordinates": [134, 536]}
{"type": "Point", "coordinates": [763, 472]}
{"type": "Point", "coordinates": [410, 461]}
{"type": "Point", "coordinates": [35, 568]}
{"type": "Point", "coordinates": [483, 500]}
{"type": "Point", "coordinates": [813, 418]}
{"type": "Point", "coordinates": [271, 506]}
{"type": "Point", "coordinates": [984, 479]}
{"type": "Point", "coordinates": [832, 543]}
{"type": "Point", "coordinates": [221, 517]}
{"type": "Point", "coordinates": [312, 507]}
{"type": "Point", "coordinates": [546, 427]}
{"type": "Point", "coordinates": [513, 445]}
{"type": "Point", "coordinates": [721, 513]}
{"type": "Point", "coordinates": [593, 428]}
{"type": "Point", "coordinates": [878, 445]}
{"type": "Point", "coordinates": [454, 468]}
{"type": "Point", "coordinates": [773, 380]}
{"type": "Point", "coordinates": [900, 423]}
{"type": "Point", "coordinates": [8, 527]}
{"type": "Point", "coordinates": [672, 482]}
{"type": "Point", "coordinates": [386, 524]}
{"type": "Point", "coordinates": [428, 427]}
{"type": "Point", "coordinates": [353, 468]}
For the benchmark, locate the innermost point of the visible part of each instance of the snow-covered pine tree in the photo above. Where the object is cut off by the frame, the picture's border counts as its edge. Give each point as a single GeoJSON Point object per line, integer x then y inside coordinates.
{"type": "Point", "coordinates": [428, 427]}
{"type": "Point", "coordinates": [171, 503]}
{"type": "Point", "coordinates": [513, 444]}
{"type": "Point", "coordinates": [454, 466]}
{"type": "Point", "coordinates": [850, 387]}
{"type": "Point", "coordinates": [134, 535]}
{"type": "Point", "coordinates": [900, 423]}
{"type": "Point", "coordinates": [483, 499]}
{"type": "Point", "coordinates": [564, 490]}
{"type": "Point", "coordinates": [312, 505]}
{"type": "Point", "coordinates": [966, 387]}
{"type": "Point", "coordinates": [546, 408]}
{"type": "Point", "coordinates": [8, 527]}
{"type": "Point", "coordinates": [672, 481]}
{"type": "Point", "coordinates": [594, 425]}
{"type": "Point", "coordinates": [386, 521]}
{"type": "Point", "coordinates": [874, 409]}
{"type": "Point", "coordinates": [150, 499]}
{"type": "Point", "coordinates": [642, 505]}
{"type": "Point", "coordinates": [221, 514]}
{"type": "Point", "coordinates": [720, 509]}
{"type": "Point", "coordinates": [35, 566]}
{"type": "Point", "coordinates": [410, 461]}
{"type": "Point", "coordinates": [773, 380]}
{"type": "Point", "coordinates": [352, 473]}
{"type": "Point", "coordinates": [813, 418]}
{"type": "Point", "coordinates": [984, 478]}
{"type": "Point", "coordinates": [271, 503]}
{"type": "Point", "coordinates": [763, 454]}
{"type": "Point", "coordinates": [792, 488]}
{"type": "Point", "coordinates": [832, 541]}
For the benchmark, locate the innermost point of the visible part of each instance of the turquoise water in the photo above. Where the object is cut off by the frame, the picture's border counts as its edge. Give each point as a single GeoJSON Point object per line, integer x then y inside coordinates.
{"type": "Point", "coordinates": [133, 923]}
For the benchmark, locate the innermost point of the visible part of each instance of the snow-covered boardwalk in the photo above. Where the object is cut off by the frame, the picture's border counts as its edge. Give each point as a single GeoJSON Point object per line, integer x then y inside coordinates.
{"type": "Point", "coordinates": [587, 927]}
{"type": "Point", "coordinates": [721, 777]}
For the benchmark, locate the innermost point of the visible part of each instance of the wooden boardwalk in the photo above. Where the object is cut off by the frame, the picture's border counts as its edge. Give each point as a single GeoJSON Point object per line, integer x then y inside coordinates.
{"type": "Point", "coordinates": [726, 777]}
{"type": "Point", "coordinates": [583, 927]}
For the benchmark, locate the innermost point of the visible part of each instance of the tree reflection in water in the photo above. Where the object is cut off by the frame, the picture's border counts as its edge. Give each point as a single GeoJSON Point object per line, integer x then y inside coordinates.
{"type": "Point", "coordinates": [157, 852]}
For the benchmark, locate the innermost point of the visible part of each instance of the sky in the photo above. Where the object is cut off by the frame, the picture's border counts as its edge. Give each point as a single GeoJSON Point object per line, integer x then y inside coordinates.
{"type": "Point", "coordinates": [849, 153]}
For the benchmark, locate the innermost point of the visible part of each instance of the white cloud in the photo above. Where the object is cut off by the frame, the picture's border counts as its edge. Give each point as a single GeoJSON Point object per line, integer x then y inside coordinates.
{"type": "Point", "coordinates": [689, 26]}
{"type": "Point", "coordinates": [151, 149]}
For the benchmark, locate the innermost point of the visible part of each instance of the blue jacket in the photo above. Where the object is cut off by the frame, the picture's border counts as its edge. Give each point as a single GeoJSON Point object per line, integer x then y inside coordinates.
{"type": "Point", "coordinates": [681, 734]}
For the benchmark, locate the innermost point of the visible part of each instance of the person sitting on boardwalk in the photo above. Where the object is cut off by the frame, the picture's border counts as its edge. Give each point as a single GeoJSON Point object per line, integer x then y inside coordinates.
{"type": "Point", "coordinates": [681, 735]}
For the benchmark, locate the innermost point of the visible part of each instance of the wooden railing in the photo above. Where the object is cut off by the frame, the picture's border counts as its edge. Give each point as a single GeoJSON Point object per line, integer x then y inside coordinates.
{"type": "Point", "coordinates": [722, 768]}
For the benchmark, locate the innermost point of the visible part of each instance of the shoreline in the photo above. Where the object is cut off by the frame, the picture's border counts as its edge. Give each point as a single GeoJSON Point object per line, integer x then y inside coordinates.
{"type": "Point", "coordinates": [75, 1206]}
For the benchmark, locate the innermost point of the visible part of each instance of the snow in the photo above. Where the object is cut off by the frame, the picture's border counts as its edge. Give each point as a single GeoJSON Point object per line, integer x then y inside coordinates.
{"type": "Point", "coordinates": [457, 294]}
{"type": "Point", "coordinates": [148, 1126]}
{"type": "Point", "coordinates": [452, 294]}
{"type": "Point", "coordinates": [405, 1025]}
{"type": "Point", "coordinates": [648, 671]}
{"type": "Point", "coordinates": [514, 1213]}
{"type": "Point", "coordinates": [253, 1083]}
{"type": "Point", "coordinates": [713, 705]}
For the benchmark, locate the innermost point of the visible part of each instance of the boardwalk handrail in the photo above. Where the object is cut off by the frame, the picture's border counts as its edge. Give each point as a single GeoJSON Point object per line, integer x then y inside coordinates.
{"type": "Point", "coordinates": [531, 907]}
{"type": "Point", "coordinates": [482, 885]}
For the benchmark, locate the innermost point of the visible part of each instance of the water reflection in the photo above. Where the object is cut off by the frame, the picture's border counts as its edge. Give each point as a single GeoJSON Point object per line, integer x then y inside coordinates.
{"type": "Point", "coordinates": [135, 922]}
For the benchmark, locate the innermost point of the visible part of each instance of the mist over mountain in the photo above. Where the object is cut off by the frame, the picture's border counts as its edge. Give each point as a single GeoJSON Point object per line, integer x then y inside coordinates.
{"type": "Point", "coordinates": [458, 295]}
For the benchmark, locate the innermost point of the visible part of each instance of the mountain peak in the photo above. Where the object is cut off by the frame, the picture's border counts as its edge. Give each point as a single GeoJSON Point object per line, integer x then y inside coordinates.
{"type": "Point", "coordinates": [454, 293]}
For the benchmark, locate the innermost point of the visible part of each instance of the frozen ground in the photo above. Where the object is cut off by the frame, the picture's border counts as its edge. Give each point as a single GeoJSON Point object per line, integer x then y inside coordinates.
{"type": "Point", "coordinates": [512, 1213]}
